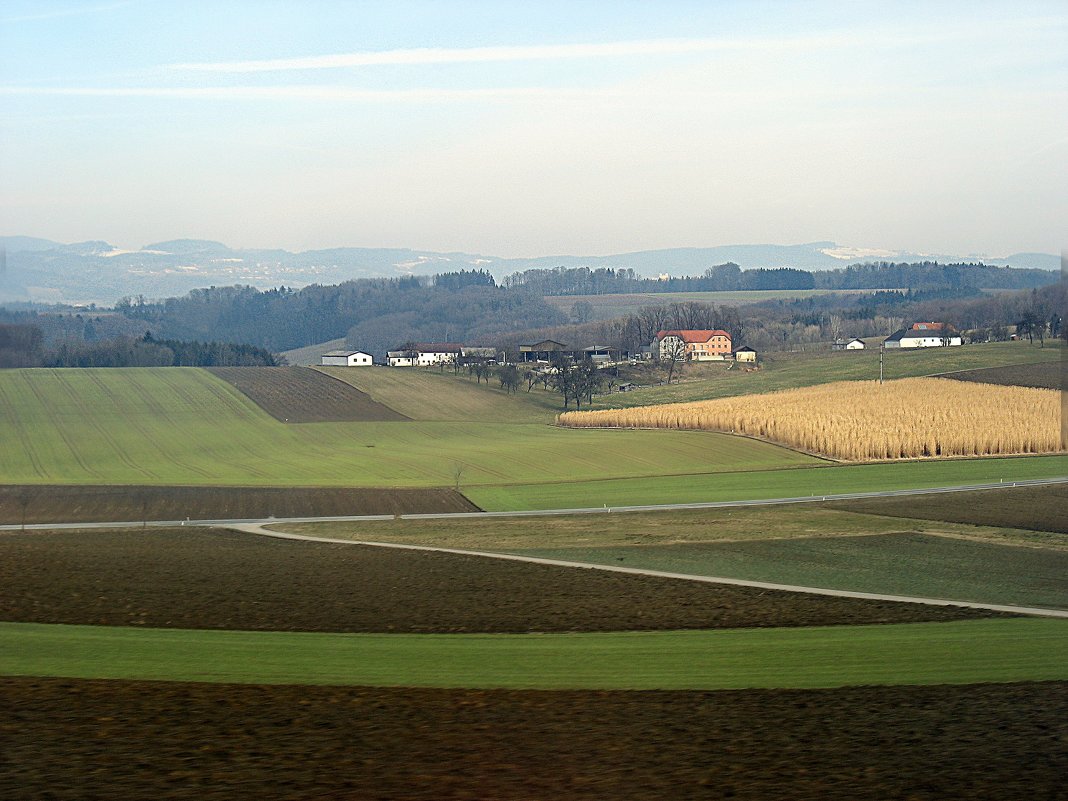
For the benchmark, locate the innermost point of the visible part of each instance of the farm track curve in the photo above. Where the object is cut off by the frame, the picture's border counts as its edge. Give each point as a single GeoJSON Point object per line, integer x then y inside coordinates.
{"type": "Point", "coordinates": [251, 528]}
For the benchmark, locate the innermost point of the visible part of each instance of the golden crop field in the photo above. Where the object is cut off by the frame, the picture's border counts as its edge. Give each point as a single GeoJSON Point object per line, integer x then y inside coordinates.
{"type": "Point", "coordinates": [864, 420]}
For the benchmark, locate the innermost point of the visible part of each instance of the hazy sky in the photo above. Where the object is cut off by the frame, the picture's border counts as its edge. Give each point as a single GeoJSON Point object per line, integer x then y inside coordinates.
{"type": "Point", "coordinates": [528, 128]}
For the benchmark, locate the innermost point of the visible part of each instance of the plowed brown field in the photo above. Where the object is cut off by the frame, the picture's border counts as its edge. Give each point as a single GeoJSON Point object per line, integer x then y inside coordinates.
{"type": "Point", "coordinates": [1045, 375]}
{"type": "Point", "coordinates": [303, 395]}
{"type": "Point", "coordinates": [1035, 508]}
{"type": "Point", "coordinates": [187, 578]}
{"type": "Point", "coordinates": [88, 504]}
{"type": "Point", "coordinates": [129, 741]}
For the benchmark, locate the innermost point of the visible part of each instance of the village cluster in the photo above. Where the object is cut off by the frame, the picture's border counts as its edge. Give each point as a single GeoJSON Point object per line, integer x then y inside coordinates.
{"type": "Point", "coordinates": [668, 346]}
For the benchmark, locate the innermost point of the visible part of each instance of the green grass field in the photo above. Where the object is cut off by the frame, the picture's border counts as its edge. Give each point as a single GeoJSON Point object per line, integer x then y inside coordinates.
{"type": "Point", "coordinates": [814, 482]}
{"type": "Point", "coordinates": [183, 426]}
{"type": "Point", "coordinates": [430, 395]}
{"type": "Point", "coordinates": [669, 527]}
{"type": "Point", "coordinates": [790, 370]}
{"type": "Point", "coordinates": [665, 527]}
{"type": "Point", "coordinates": [920, 653]}
{"type": "Point", "coordinates": [896, 564]}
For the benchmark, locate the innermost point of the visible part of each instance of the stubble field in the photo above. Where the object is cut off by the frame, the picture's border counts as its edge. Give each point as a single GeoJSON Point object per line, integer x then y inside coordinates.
{"type": "Point", "coordinates": [866, 420]}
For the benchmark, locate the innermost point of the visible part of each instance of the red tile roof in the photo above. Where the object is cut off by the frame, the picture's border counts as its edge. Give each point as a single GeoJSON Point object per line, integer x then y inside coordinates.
{"type": "Point", "coordinates": [694, 336]}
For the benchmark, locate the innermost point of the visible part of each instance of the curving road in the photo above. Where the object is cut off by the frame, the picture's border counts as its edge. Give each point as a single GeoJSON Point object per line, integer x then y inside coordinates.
{"type": "Point", "coordinates": [253, 528]}
{"type": "Point", "coordinates": [256, 527]}
{"type": "Point", "coordinates": [1036, 482]}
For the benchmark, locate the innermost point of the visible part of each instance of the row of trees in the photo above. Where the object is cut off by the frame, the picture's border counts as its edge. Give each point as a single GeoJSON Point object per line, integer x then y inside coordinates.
{"type": "Point", "coordinates": [23, 346]}
{"type": "Point", "coordinates": [603, 281]}
{"type": "Point", "coordinates": [729, 277]}
{"type": "Point", "coordinates": [372, 314]}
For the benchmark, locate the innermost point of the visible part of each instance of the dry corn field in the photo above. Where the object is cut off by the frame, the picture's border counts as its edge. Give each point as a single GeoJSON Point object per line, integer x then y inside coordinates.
{"type": "Point", "coordinates": [865, 420]}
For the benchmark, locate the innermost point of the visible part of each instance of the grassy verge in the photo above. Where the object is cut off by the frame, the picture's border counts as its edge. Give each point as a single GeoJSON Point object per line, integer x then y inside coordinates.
{"type": "Point", "coordinates": [1041, 509]}
{"type": "Point", "coordinates": [661, 528]}
{"type": "Point", "coordinates": [800, 482]}
{"type": "Point", "coordinates": [895, 564]}
{"type": "Point", "coordinates": [926, 653]}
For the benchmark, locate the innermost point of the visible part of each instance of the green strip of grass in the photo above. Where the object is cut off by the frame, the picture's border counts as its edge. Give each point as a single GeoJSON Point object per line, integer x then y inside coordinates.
{"type": "Point", "coordinates": [798, 482]}
{"type": "Point", "coordinates": [895, 564]}
{"type": "Point", "coordinates": [998, 650]}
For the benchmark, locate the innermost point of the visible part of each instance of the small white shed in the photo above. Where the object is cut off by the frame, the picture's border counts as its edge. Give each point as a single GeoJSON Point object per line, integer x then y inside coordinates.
{"type": "Point", "coordinates": [855, 344]}
{"type": "Point", "coordinates": [347, 358]}
{"type": "Point", "coordinates": [745, 354]}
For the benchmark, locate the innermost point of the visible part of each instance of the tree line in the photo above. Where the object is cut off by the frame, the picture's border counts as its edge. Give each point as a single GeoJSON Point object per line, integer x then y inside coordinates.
{"type": "Point", "coordinates": [24, 346]}
{"type": "Point", "coordinates": [374, 315]}
{"type": "Point", "coordinates": [729, 277]}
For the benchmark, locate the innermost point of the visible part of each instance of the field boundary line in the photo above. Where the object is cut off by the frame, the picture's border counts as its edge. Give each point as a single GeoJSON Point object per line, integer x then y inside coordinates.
{"type": "Point", "coordinates": [847, 496]}
{"type": "Point", "coordinates": [999, 367]}
{"type": "Point", "coordinates": [253, 528]}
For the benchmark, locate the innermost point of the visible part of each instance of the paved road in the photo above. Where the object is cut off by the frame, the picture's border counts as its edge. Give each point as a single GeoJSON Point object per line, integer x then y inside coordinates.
{"type": "Point", "coordinates": [252, 528]}
{"type": "Point", "coordinates": [549, 512]}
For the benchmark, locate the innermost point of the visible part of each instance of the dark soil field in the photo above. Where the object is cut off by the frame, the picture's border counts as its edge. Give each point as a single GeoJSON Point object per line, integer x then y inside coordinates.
{"type": "Point", "coordinates": [130, 741]}
{"type": "Point", "coordinates": [1034, 508]}
{"type": "Point", "coordinates": [201, 579]}
{"type": "Point", "coordinates": [89, 504]}
{"type": "Point", "coordinates": [1047, 375]}
{"type": "Point", "coordinates": [303, 395]}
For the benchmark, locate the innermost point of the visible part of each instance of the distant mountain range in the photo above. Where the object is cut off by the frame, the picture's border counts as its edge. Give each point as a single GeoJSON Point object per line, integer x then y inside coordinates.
{"type": "Point", "coordinates": [43, 271]}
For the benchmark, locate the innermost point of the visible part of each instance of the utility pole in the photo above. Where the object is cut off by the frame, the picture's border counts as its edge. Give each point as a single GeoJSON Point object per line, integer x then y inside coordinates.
{"type": "Point", "coordinates": [882, 350]}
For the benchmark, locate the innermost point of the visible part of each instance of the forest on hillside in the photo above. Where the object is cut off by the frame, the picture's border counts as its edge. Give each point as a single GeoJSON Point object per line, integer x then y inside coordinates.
{"type": "Point", "coordinates": [923, 276]}
{"type": "Point", "coordinates": [377, 315]}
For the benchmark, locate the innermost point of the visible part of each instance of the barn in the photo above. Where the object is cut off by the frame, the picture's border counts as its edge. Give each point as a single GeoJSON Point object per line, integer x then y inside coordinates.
{"type": "Point", "coordinates": [346, 358]}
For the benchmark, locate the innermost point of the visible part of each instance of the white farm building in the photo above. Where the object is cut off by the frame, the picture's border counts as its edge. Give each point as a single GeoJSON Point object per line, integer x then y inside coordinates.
{"type": "Point", "coordinates": [924, 335]}
{"type": "Point", "coordinates": [346, 358]}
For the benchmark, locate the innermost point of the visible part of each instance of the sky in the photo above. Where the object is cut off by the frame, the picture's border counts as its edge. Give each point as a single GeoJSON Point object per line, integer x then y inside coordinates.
{"type": "Point", "coordinates": [525, 129]}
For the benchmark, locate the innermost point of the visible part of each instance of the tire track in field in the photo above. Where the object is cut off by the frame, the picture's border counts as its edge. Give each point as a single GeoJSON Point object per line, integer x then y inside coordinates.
{"type": "Point", "coordinates": [231, 400]}
{"type": "Point", "coordinates": [58, 426]}
{"type": "Point", "coordinates": [27, 448]}
{"type": "Point", "coordinates": [86, 412]}
{"type": "Point", "coordinates": [153, 404]}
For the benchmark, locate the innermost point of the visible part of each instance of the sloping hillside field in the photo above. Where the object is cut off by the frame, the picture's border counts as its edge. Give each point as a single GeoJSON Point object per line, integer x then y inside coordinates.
{"type": "Point", "coordinates": [792, 370]}
{"type": "Point", "coordinates": [300, 395]}
{"type": "Point", "coordinates": [185, 426]}
{"type": "Point", "coordinates": [432, 395]}
{"type": "Point", "coordinates": [1048, 375]}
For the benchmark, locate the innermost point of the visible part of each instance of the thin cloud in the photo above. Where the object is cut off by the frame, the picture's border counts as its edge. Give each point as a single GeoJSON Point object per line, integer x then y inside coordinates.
{"type": "Point", "coordinates": [331, 93]}
{"type": "Point", "coordinates": [846, 38]}
{"type": "Point", "coordinates": [470, 55]}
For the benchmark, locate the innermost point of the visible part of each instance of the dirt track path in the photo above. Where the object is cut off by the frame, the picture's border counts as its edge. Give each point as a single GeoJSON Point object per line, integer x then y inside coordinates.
{"type": "Point", "coordinates": [256, 528]}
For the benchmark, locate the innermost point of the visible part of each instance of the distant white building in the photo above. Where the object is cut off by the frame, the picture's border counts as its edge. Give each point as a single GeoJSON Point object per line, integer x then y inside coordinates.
{"type": "Point", "coordinates": [745, 354]}
{"type": "Point", "coordinates": [855, 344]}
{"type": "Point", "coordinates": [425, 355]}
{"type": "Point", "coordinates": [924, 335]}
{"type": "Point", "coordinates": [346, 358]}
